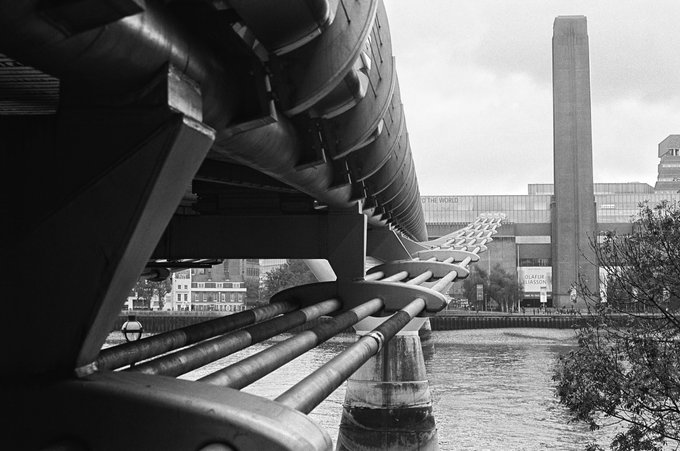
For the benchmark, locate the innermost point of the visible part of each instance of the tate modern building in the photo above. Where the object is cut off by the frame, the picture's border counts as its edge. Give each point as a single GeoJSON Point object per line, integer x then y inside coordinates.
{"type": "Point", "coordinates": [524, 245]}
{"type": "Point", "coordinates": [546, 237]}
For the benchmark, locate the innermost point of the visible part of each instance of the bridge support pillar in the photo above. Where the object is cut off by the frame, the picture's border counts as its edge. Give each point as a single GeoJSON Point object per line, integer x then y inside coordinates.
{"type": "Point", "coordinates": [347, 243]}
{"type": "Point", "coordinates": [111, 177]}
{"type": "Point", "coordinates": [425, 335]}
{"type": "Point", "coordinates": [387, 402]}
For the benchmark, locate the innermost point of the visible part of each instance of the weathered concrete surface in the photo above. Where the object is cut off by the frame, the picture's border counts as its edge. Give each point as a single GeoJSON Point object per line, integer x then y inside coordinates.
{"type": "Point", "coordinates": [388, 403]}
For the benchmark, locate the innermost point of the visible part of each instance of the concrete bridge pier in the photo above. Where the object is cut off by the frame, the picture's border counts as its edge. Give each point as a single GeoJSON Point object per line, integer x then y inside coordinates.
{"type": "Point", "coordinates": [426, 342]}
{"type": "Point", "coordinates": [387, 402]}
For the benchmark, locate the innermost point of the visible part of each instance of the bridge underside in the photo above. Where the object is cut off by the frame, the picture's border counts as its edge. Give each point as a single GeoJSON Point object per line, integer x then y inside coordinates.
{"type": "Point", "coordinates": [141, 133]}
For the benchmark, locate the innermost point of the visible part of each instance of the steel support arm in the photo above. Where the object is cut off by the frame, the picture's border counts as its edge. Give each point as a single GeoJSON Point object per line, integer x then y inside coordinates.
{"type": "Point", "coordinates": [339, 238]}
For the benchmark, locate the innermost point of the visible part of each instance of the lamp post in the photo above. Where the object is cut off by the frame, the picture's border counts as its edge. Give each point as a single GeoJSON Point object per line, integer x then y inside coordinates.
{"type": "Point", "coordinates": [132, 329]}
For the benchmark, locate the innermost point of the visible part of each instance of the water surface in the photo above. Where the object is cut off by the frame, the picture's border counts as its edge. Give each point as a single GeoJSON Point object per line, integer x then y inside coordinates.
{"type": "Point", "coordinates": [491, 389]}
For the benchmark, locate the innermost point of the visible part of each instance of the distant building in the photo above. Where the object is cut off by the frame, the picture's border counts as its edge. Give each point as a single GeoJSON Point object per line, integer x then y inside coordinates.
{"type": "Point", "coordinates": [573, 203]}
{"type": "Point", "coordinates": [236, 269]}
{"type": "Point", "coordinates": [181, 290]}
{"type": "Point", "coordinates": [668, 180]}
{"type": "Point", "coordinates": [257, 269]}
{"type": "Point", "coordinates": [523, 245]}
{"type": "Point", "coordinates": [208, 289]}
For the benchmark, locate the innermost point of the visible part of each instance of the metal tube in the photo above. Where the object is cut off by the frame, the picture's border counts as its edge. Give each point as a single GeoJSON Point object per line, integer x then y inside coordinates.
{"type": "Point", "coordinates": [247, 371]}
{"type": "Point", "coordinates": [127, 353]}
{"type": "Point", "coordinates": [122, 58]}
{"type": "Point", "coordinates": [401, 275]}
{"type": "Point", "coordinates": [444, 281]}
{"type": "Point", "coordinates": [374, 276]}
{"type": "Point", "coordinates": [466, 261]}
{"type": "Point", "coordinates": [312, 390]}
{"type": "Point", "coordinates": [189, 359]}
{"type": "Point", "coordinates": [424, 277]}
{"type": "Point", "coordinates": [275, 149]}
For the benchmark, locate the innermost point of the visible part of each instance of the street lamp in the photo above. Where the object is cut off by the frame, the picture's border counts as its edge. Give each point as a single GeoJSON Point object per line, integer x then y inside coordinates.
{"type": "Point", "coordinates": [132, 329]}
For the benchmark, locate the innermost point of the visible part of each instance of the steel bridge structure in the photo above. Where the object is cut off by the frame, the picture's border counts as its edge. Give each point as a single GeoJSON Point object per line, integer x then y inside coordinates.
{"type": "Point", "coordinates": [144, 136]}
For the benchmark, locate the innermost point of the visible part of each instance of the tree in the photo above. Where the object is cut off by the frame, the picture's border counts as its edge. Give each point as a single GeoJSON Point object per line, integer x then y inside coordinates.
{"type": "Point", "coordinates": [253, 291]}
{"type": "Point", "coordinates": [291, 274]}
{"type": "Point", "coordinates": [499, 285]}
{"type": "Point", "coordinates": [626, 368]}
{"type": "Point", "coordinates": [477, 277]}
{"type": "Point", "coordinates": [145, 290]}
{"type": "Point", "coordinates": [161, 288]}
{"type": "Point", "coordinates": [503, 287]}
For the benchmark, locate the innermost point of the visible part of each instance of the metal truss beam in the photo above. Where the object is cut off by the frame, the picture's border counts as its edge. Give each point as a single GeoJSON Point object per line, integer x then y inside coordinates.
{"type": "Point", "coordinates": [339, 238]}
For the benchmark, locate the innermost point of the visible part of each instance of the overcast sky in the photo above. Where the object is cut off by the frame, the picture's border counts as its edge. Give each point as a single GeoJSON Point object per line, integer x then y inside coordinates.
{"type": "Point", "coordinates": [476, 83]}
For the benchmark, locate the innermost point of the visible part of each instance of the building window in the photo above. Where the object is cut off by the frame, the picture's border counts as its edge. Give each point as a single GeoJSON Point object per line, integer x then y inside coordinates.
{"type": "Point", "coordinates": [535, 262]}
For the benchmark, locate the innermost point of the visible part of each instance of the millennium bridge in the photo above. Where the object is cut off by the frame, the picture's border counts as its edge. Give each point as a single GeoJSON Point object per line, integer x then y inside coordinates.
{"type": "Point", "coordinates": [141, 137]}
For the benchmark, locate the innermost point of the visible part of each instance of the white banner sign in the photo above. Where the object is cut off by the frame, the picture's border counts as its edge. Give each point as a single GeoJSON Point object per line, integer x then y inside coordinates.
{"type": "Point", "coordinates": [532, 278]}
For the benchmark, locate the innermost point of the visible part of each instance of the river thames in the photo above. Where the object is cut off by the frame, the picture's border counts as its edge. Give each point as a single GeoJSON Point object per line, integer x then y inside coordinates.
{"type": "Point", "coordinates": [491, 389]}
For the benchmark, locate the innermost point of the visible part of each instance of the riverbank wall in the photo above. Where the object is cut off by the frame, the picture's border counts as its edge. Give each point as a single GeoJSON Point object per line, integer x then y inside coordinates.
{"type": "Point", "coordinates": [158, 322]}
{"type": "Point", "coordinates": [459, 322]}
